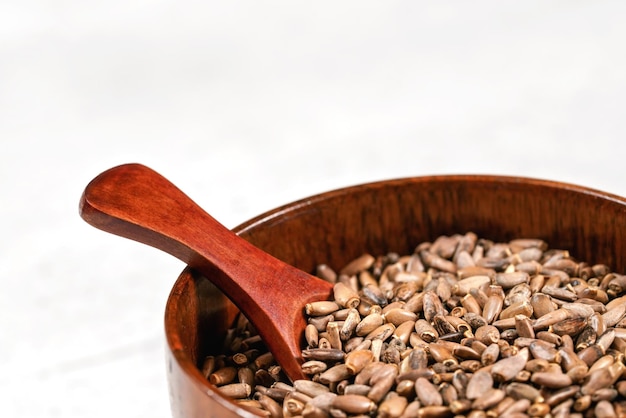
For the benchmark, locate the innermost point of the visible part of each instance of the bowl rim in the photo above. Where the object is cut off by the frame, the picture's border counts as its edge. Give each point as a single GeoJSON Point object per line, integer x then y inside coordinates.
{"type": "Point", "coordinates": [174, 344]}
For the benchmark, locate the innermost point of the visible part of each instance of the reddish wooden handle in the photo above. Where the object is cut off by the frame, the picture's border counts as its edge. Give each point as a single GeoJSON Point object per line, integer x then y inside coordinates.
{"type": "Point", "coordinates": [135, 202]}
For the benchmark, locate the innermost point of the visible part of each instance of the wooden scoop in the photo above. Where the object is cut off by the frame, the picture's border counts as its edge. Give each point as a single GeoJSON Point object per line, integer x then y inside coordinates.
{"type": "Point", "coordinates": [135, 202]}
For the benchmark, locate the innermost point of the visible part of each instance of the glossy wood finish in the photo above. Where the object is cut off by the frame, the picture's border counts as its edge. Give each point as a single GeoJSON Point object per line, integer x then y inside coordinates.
{"type": "Point", "coordinates": [337, 226]}
{"type": "Point", "coordinates": [135, 202]}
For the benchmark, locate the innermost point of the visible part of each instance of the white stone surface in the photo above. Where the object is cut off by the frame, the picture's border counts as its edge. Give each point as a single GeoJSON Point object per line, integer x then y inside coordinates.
{"type": "Point", "coordinates": [248, 105]}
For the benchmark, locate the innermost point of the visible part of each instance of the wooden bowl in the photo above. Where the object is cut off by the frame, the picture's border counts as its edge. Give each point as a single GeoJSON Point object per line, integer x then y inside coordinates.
{"type": "Point", "coordinates": [395, 215]}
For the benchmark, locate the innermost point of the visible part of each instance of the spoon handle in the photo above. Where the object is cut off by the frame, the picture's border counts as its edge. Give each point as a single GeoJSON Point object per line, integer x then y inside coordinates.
{"type": "Point", "coordinates": [135, 202]}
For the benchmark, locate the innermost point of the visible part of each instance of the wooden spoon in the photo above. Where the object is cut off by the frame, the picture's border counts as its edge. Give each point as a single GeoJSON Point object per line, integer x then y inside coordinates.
{"type": "Point", "coordinates": [135, 202]}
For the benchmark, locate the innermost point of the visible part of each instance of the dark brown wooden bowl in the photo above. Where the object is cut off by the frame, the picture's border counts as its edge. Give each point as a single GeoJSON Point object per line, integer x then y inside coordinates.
{"type": "Point", "coordinates": [395, 215]}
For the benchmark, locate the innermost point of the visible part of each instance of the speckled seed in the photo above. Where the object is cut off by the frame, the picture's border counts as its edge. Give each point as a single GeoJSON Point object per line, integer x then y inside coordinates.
{"type": "Point", "coordinates": [323, 354]}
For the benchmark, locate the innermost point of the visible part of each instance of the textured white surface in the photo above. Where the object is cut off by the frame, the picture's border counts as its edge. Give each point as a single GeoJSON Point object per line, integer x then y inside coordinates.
{"type": "Point", "coordinates": [248, 105]}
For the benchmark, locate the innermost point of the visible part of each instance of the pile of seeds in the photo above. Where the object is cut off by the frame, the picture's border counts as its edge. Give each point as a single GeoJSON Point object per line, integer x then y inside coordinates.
{"type": "Point", "coordinates": [464, 326]}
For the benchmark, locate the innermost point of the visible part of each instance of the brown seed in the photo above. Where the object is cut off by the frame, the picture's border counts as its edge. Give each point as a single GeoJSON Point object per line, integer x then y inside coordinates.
{"type": "Point", "coordinates": [591, 354]}
{"type": "Point", "coordinates": [374, 294]}
{"type": "Point", "coordinates": [550, 337]}
{"type": "Point", "coordinates": [432, 306]}
{"type": "Point", "coordinates": [494, 303]}
{"type": "Point", "coordinates": [406, 388]}
{"type": "Point", "coordinates": [321, 322]}
{"type": "Point", "coordinates": [223, 376]}
{"type": "Point", "coordinates": [313, 367]}
{"type": "Point", "coordinates": [382, 332]}
{"type": "Point", "coordinates": [433, 411]}
{"type": "Point", "coordinates": [524, 327]}
{"type": "Point", "coordinates": [605, 394]}
{"type": "Point", "coordinates": [208, 366]}
{"type": "Point", "coordinates": [506, 369]}
{"type": "Point", "coordinates": [356, 360]}
{"type": "Point", "coordinates": [349, 325]}
{"type": "Point", "coordinates": [552, 380]}
{"type": "Point", "coordinates": [443, 327]}
{"type": "Point", "coordinates": [478, 384]}
{"type": "Point", "coordinates": [403, 331]}
{"type": "Point", "coordinates": [392, 407]}
{"type": "Point", "coordinates": [333, 335]}
{"type": "Point", "coordinates": [471, 305]}
{"type": "Point", "coordinates": [382, 386]}
{"type": "Point", "coordinates": [510, 280]}
{"type": "Point", "coordinates": [475, 320]}
{"type": "Point", "coordinates": [345, 296]}
{"type": "Point", "coordinates": [310, 388]}
{"type": "Point", "coordinates": [558, 396]}
{"type": "Point", "coordinates": [518, 406]}
{"type": "Point", "coordinates": [463, 286]}
{"type": "Point", "coordinates": [544, 350]}
{"type": "Point", "coordinates": [596, 380]}
{"type": "Point", "coordinates": [246, 375]}
{"type": "Point", "coordinates": [325, 272]}
{"type": "Point", "coordinates": [398, 316]}
{"type": "Point", "coordinates": [363, 262]}
{"type": "Point", "coordinates": [415, 303]}
{"type": "Point", "coordinates": [536, 283]}
{"type": "Point", "coordinates": [466, 353]}
{"type": "Point", "coordinates": [448, 392]}
{"type": "Point", "coordinates": [437, 262]}
{"type": "Point", "coordinates": [490, 354]}
{"type": "Point", "coordinates": [518, 293]}
{"type": "Point", "coordinates": [427, 393]}
{"type": "Point", "coordinates": [269, 404]}
{"type": "Point", "coordinates": [441, 354]}
{"type": "Point", "coordinates": [354, 404]}
{"type": "Point", "coordinates": [323, 354]}
{"type": "Point", "coordinates": [488, 399]}
{"type": "Point", "coordinates": [335, 374]}
{"type": "Point", "coordinates": [236, 390]}
{"type": "Point", "coordinates": [604, 409]}
{"type": "Point", "coordinates": [523, 391]}
{"type": "Point", "coordinates": [538, 409]}
{"type": "Point", "coordinates": [321, 308]}
{"type": "Point", "coordinates": [369, 324]}
{"type": "Point", "coordinates": [606, 339]}
{"type": "Point", "coordinates": [425, 330]}
{"type": "Point", "coordinates": [487, 334]}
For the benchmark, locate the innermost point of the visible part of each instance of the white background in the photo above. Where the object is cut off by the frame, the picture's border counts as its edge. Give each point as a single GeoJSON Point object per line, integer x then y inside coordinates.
{"type": "Point", "coordinates": [248, 105]}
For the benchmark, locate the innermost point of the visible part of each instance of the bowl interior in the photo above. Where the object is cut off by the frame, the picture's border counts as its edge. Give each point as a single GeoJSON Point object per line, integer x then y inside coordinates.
{"type": "Point", "coordinates": [337, 226]}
